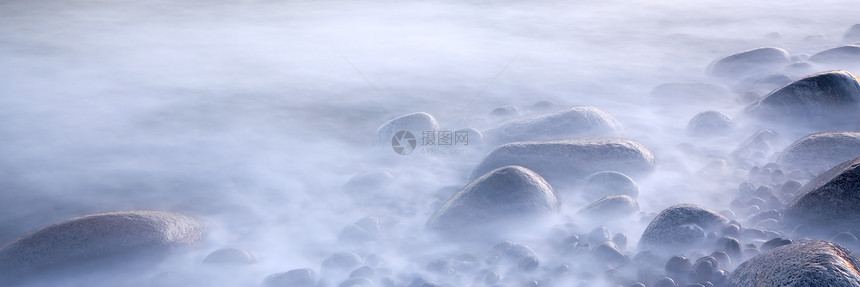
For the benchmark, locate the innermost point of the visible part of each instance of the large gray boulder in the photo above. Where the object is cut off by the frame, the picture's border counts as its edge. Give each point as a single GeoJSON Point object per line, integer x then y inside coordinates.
{"type": "Point", "coordinates": [565, 161]}
{"type": "Point", "coordinates": [811, 263]}
{"type": "Point", "coordinates": [93, 239]}
{"type": "Point", "coordinates": [820, 152]}
{"type": "Point", "coordinates": [680, 228]}
{"type": "Point", "coordinates": [845, 55]}
{"type": "Point", "coordinates": [747, 63]}
{"type": "Point", "coordinates": [610, 208]}
{"type": "Point", "coordinates": [830, 200]}
{"type": "Point", "coordinates": [415, 123]}
{"type": "Point", "coordinates": [574, 122]}
{"type": "Point", "coordinates": [828, 100]}
{"type": "Point", "coordinates": [495, 202]}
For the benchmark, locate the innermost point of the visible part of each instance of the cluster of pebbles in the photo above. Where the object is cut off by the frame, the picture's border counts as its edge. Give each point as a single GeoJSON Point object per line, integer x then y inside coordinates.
{"type": "Point", "coordinates": [792, 220]}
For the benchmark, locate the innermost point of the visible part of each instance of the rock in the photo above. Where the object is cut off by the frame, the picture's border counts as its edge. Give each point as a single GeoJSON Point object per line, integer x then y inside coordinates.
{"type": "Point", "coordinates": [363, 271]}
{"type": "Point", "coordinates": [827, 100]}
{"type": "Point", "coordinates": [528, 264]}
{"type": "Point", "coordinates": [763, 83]}
{"type": "Point", "coordinates": [610, 208]}
{"type": "Point", "coordinates": [853, 34]}
{"type": "Point", "coordinates": [821, 152]}
{"type": "Point", "coordinates": [368, 183]}
{"type": "Point", "coordinates": [846, 55]}
{"type": "Point", "coordinates": [665, 282]}
{"type": "Point", "coordinates": [341, 262]}
{"type": "Point", "coordinates": [505, 111]}
{"type": "Point", "coordinates": [574, 122]}
{"type": "Point", "coordinates": [563, 161]}
{"type": "Point", "coordinates": [746, 63]}
{"type": "Point", "coordinates": [680, 227]}
{"type": "Point", "coordinates": [496, 200]}
{"type": "Point", "coordinates": [473, 137]}
{"type": "Point", "coordinates": [811, 263]}
{"type": "Point", "coordinates": [774, 243]}
{"type": "Point", "coordinates": [673, 93]}
{"type": "Point", "coordinates": [230, 255]}
{"type": "Point", "coordinates": [598, 234]}
{"type": "Point", "coordinates": [608, 252]}
{"type": "Point", "coordinates": [363, 230]}
{"type": "Point", "coordinates": [830, 200]}
{"type": "Point", "coordinates": [605, 183]}
{"type": "Point", "coordinates": [709, 123]}
{"type": "Point", "coordinates": [620, 240]}
{"type": "Point", "coordinates": [415, 123]}
{"type": "Point", "coordinates": [97, 241]}
{"type": "Point", "coordinates": [357, 281]}
{"type": "Point", "coordinates": [292, 278]}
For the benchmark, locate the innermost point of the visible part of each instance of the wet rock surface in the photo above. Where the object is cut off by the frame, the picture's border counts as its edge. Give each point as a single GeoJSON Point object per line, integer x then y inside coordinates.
{"type": "Point", "coordinates": [679, 227]}
{"type": "Point", "coordinates": [829, 200]}
{"type": "Point", "coordinates": [812, 263]}
{"type": "Point", "coordinates": [574, 122]}
{"type": "Point", "coordinates": [821, 152]}
{"type": "Point", "coordinates": [748, 62]}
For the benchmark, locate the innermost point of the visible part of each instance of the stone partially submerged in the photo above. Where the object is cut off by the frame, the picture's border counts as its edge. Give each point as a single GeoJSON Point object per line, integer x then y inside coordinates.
{"type": "Point", "coordinates": [574, 122]}
{"type": "Point", "coordinates": [565, 161]}
{"type": "Point", "coordinates": [680, 227]}
{"type": "Point", "coordinates": [759, 147]}
{"type": "Point", "coordinates": [610, 208]}
{"type": "Point", "coordinates": [830, 200]}
{"type": "Point", "coordinates": [820, 152]}
{"type": "Point", "coordinates": [811, 263]}
{"type": "Point", "coordinates": [415, 123]}
{"type": "Point", "coordinates": [496, 201]}
{"type": "Point", "coordinates": [95, 239]}
{"type": "Point", "coordinates": [845, 55]}
{"type": "Point", "coordinates": [828, 100]}
{"type": "Point", "coordinates": [747, 63]}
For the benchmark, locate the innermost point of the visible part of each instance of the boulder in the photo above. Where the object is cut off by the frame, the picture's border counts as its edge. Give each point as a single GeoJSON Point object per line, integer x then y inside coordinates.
{"type": "Point", "coordinates": [680, 227]}
{"type": "Point", "coordinates": [747, 63]}
{"type": "Point", "coordinates": [709, 123]}
{"type": "Point", "coordinates": [496, 200]}
{"type": "Point", "coordinates": [828, 100]}
{"type": "Point", "coordinates": [98, 240]}
{"type": "Point", "coordinates": [606, 183]}
{"type": "Point", "coordinates": [230, 255]}
{"type": "Point", "coordinates": [574, 122]}
{"type": "Point", "coordinates": [845, 55]}
{"type": "Point", "coordinates": [415, 123]}
{"type": "Point", "coordinates": [759, 147]}
{"type": "Point", "coordinates": [829, 200]}
{"type": "Point", "coordinates": [811, 263]}
{"type": "Point", "coordinates": [564, 161]}
{"type": "Point", "coordinates": [820, 152]}
{"type": "Point", "coordinates": [610, 207]}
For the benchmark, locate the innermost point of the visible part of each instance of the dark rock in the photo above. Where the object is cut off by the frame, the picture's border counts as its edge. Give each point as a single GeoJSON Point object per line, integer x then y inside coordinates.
{"type": "Point", "coordinates": [292, 278]}
{"type": "Point", "coordinates": [827, 100]}
{"type": "Point", "coordinates": [751, 62]}
{"type": "Point", "coordinates": [562, 161]}
{"type": "Point", "coordinates": [665, 282]}
{"type": "Point", "coordinates": [758, 147]}
{"type": "Point", "coordinates": [610, 208]}
{"type": "Point", "coordinates": [605, 183]}
{"type": "Point", "coordinates": [230, 256]}
{"type": "Point", "coordinates": [709, 123]}
{"type": "Point", "coordinates": [574, 122]}
{"type": "Point", "coordinates": [680, 227]}
{"type": "Point", "coordinates": [812, 263]}
{"type": "Point", "coordinates": [840, 55]}
{"type": "Point", "coordinates": [98, 241]}
{"type": "Point", "coordinates": [730, 246]}
{"type": "Point", "coordinates": [830, 200]}
{"type": "Point", "coordinates": [678, 266]}
{"type": "Point", "coordinates": [723, 259]}
{"type": "Point", "coordinates": [494, 200]}
{"type": "Point", "coordinates": [822, 151]}
{"type": "Point", "coordinates": [415, 123]}
{"type": "Point", "coordinates": [774, 243]}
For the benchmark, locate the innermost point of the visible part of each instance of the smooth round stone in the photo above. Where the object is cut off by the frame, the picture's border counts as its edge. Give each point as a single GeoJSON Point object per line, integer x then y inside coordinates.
{"type": "Point", "coordinates": [751, 62]}
{"type": "Point", "coordinates": [506, 111]}
{"type": "Point", "coordinates": [415, 123]}
{"type": "Point", "coordinates": [665, 282]}
{"type": "Point", "coordinates": [852, 34]}
{"type": "Point", "coordinates": [605, 183]}
{"type": "Point", "coordinates": [709, 123]}
{"type": "Point", "coordinates": [821, 152]}
{"type": "Point", "coordinates": [341, 261]}
{"type": "Point", "coordinates": [573, 122]}
{"type": "Point", "coordinates": [839, 55]}
{"type": "Point", "coordinates": [763, 83]}
{"type": "Point", "coordinates": [758, 147]}
{"type": "Point", "coordinates": [680, 228]}
{"type": "Point", "coordinates": [774, 243]}
{"type": "Point", "coordinates": [368, 183]}
{"type": "Point", "coordinates": [293, 278]}
{"type": "Point", "coordinates": [827, 100]}
{"type": "Point", "coordinates": [143, 237]}
{"type": "Point", "coordinates": [610, 208]}
{"type": "Point", "coordinates": [363, 230]}
{"type": "Point", "coordinates": [830, 200]}
{"type": "Point", "coordinates": [811, 263]}
{"type": "Point", "coordinates": [230, 255]}
{"type": "Point", "coordinates": [496, 201]}
{"type": "Point", "coordinates": [564, 161]}
{"type": "Point", "coordinates": [598, 234]}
